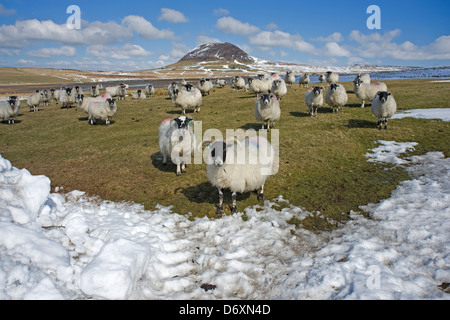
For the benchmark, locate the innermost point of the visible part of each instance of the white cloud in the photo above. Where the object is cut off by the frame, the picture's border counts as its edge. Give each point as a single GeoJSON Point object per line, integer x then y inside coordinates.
{"type": "Point", "coordinates": [127, 51]}
{"type": "Point", "coordinates": [335, 37]}
{"type": "Point", "coordinates": [230, 25]}
{"type": "Point", "coordinates": [205, 39]}
{"type": "Point", "coordinates": [172, 16]}
{"type": "Point", "coordinates": [221, 12]}
{"type": "Point", "coordinates": [145, 29]}
{"type": "Point", "coordinates": [271, 26]}
{"type": "Point", "coordinates": [50, 52]}
{"type": "Point", "coordinates": [178, 51]}
{"type": "Point", "coordinates": [266, 39]}
{"type": "Point", "coordinates": [6, 12]}
{"type": "Point", "coordinates": [333, 49]}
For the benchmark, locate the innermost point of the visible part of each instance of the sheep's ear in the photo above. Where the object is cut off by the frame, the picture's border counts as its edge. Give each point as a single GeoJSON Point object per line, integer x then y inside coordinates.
{"type": "Point", "coordinates": [389, 93]}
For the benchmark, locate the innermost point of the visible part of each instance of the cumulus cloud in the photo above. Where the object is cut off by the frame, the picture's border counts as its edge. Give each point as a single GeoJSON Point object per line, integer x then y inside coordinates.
{"type": "Point", "coordinates": [145, 29]}
{"type": "Point", "coordinates": [127, 51]}
{"type": "Point", "coordinates": [335, 37]}
{"type": "Point", "coordinates": [377, 45]}
{"type": "Point", "coordinates": [6, 12]}
{"type": "Point", "coordinates": [230, 25]}
{"type": "Point", "coordinates": [178, 51]}
{"type": "Point", "coordinates": [277, 38]}
{"type": "Point", "coordinates": [173, 16]}
{"type": "Point", "coordinates": [205, 39]}
{"type": "Point", "coordinates": [50, 52]}
{"type": "Point", "coordinates": [333, 49]}
{"type": "Point", "coordinates": [221, 12]}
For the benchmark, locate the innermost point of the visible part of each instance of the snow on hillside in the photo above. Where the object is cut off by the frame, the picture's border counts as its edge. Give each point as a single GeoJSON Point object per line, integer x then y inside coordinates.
{"type": "Point", "coordinates": [70, 246]}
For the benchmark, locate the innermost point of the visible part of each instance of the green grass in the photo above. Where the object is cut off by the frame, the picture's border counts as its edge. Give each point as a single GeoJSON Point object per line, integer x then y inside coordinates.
{"type": "Point", "coordinates": [21, 76]}
{"type": "Point", "coordinates": [322, 163]}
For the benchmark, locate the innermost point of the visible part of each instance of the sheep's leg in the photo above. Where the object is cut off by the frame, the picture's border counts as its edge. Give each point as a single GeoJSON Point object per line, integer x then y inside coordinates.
{"type": "Point", "coordinates": [220, 207]}
{"type": "Point", "coordinates": [178, 170]}
{"type": "Point", "coordinates": [233, 208]}
{"type": "Point", "coordinates": [164, 160]}
{"type": "Point", "coordinates": [261, 194]}
{"type": "Point", "coordinates": [183, 168]}
{"type": "Point", "coordinates": [362, 105]}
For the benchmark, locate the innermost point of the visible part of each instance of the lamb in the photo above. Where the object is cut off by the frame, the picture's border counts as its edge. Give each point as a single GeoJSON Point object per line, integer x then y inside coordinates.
{"type": "Point", "coordinates": [101, 110]}
{"type": "Point", "coordinates": [187, 99]}
{"type": "Point", "coordinates": [171, 88]}
{"type": "Point", "coordinates": [304, 80]}
{"type": "Point", "coordinates": [363, 77]}
{"type": "Point", "coordinates": [332, 77]}
{"type": "Point", "coordinates": [239, 83]}
{"type": "Point", "coordinates": [336, 96]}
{"type": "Point", "coordinates": [366, 91]}
{"type": "Point", "coordinates": [9, 109]}
{"type": "Point", "coordinates": [279, 88]}
{"type": "Point", "coordinates": [289, 78]}
{"type": "Point", "coordinates": [34, 101]}
{"type": "Point", "coordinates": [314, 100]}
{"type": "Point", "coordinates": [267, 110]}
{"type": "Point", "coordinates": [177, 141]}
{"type": "Point", "coordinates": [383, 107]}
{"type": "Point", "coordinates": [139, 94]}
{"type": "Point", "coordinates": [149, 90]}
{"type": "Point", "coordinates": [226, 170]}
{"type": "Point", "coordinates": [119, 91]}
{"type": "Point", "coordinates": [205, 86]}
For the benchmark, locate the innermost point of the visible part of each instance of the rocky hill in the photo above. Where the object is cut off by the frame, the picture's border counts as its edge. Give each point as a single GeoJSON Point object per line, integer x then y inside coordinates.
{"type": "Point", "coordinates": [217, 51]}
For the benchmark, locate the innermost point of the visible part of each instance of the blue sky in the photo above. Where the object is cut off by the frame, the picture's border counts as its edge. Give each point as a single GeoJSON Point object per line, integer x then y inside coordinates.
{"type": "Point", "coordinates": [136, 35]}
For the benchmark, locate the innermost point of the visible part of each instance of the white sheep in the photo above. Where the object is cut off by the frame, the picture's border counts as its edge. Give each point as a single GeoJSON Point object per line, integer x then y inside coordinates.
{"type": "Point", "coordinates": [47, 97]}
{"type": "Point", "coordinates": [304, 80]}
{"type": "Point", "coordinates": [383, 107]}
{"type": "Point", "coordinates": [139, 94]}
{"type": "Point", "coordinates": [289, 78]}
{"type": "Point", "coordinates": [101, 110]}
{"type": "Point", "coordinates": [185, 99]}
{"type": "Point", "coordinates": [95, 90]}
{"type": "Point", "coordinates": [149, 90]}
{"type": "Point", "coordinates": [314, 99]}
{"type": "Point", "coordinates": [83, 102]}
{"type": "Point", "coordinates": [322, 78]}
{"type": "Point", "coordinates": [242, 167]}
{"type": "Point", "coordinates": [119, 91]}
{"type": "Point", "coordinates": [267, 110]}
{"type": "Point", "coordinates": [365, 91]}
{"type": "Point", "coordinates": [205, 86]}
{"type": "Point", "coordinates": [66, 98]}
{"type": "Point", "coordinates": [9, 109]}
{"type": "Point", "coordinates": [279, 89]}
{"type": "Point", "coordinates": [171, 88]}
{"type": "Point", "coordinates": [33, 101]}
{"type": "Point", "coordinates": [177, 141]}
{"type": "Point", "coordinates": [332, 77]}
{"type": "Point", "coordinates": [221, 83]}
{"type": "Point", "coordinates": [239, 83]}
{"type": "Point", "coordinates": [336, 96]}
{"type": "Point", "coordinates": [255, 86]}
{"type": "Point", "coordinates": [363, 77]}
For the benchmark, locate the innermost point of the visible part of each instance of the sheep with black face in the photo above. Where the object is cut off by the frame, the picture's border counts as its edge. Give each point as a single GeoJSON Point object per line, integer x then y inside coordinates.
{"type": "Point", "coordinates": [314, 100]}
{"type": "Point", "coordinates": [267, 110]}
{"type": "Point", "coordinates": [383, 107]}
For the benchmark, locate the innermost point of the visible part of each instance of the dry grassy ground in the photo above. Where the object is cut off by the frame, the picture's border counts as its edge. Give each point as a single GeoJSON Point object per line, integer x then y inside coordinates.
{"type": "Point", "coordinates": [322, 163]}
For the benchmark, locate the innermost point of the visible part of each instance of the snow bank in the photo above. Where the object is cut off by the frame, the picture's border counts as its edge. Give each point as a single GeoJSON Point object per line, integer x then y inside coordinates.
{"type": "Point", "coordinates": [75, 247]}
{"type": "Point", "coordinates": [436, 113]}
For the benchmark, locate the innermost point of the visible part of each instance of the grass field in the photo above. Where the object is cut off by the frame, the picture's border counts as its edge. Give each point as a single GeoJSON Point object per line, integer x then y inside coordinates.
{"type": "Point", "coordinates": [21, 76]}
{"type": "Point", "coordinates": [322, 163]}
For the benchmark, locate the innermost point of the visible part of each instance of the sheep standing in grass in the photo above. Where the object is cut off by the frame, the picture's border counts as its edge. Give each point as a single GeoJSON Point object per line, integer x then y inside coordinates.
{"type": "Point", "coordinates": [304, 80]}
{"type": "Point", "coordinates": [171, 89]}
{"type": "Point", "coordinates": [177, 141]}
{"type": "Point", "coordinates": [239, 83]}
{"type": "Point", "coordinates": [267, 110]}
{"type": "Point", "coordinates": [322, 78]}
{"type": "Point", "coordinates": [9, 109]}
{"type": "Point", "coordinates": [255, 86]}
{"type": "Point", "coordinates": [289, 78]}
{"type": "Point", "coordinates": [101, 110]}
{"type": "Point", "coordinates": [95, 90]}
{"type": "Point", "coordinates": [139, 95]}
{"type": "Point", "coordinates": [383, 108]}
{"type": "Point", "coordinates": [332, 77]}
{"type": "Point", "coordinates": [314, 100]}
{"type": "Point", "coordinates": [83, 102]}
{"type": "Point", "coordinates": [205, 86]}
{"type": "Point", "coordinates": [150, 90]}
{"type": "Point", "coordinates": [66, 98]}
{"type": "Point", "coordinates": [336, 96]}
{"type": "Point", "coordinates": [366, 91]}
{"type": "Point", "coordinates": [34, 101]}
{"type": "Point", "coordinates": [242, 167]}
{"type": "Point", "coordinates": [221, 83]}
{"type": "Point", "coordinates": [47, 97]}
{"type": "Point", "coordinates": [119, 91]}
{"type": "Point", "coordinates": [185, 99]}
{"type": "Point", "coordinates": [279, 89]}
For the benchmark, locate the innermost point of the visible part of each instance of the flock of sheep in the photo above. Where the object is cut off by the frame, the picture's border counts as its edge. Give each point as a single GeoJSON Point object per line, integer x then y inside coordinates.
{"type": "Point", "coordinates": [176, 136]}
